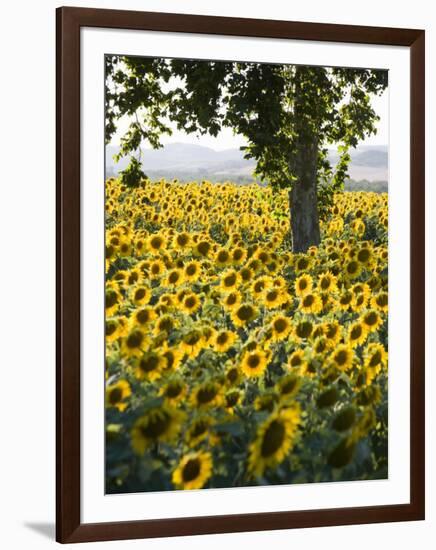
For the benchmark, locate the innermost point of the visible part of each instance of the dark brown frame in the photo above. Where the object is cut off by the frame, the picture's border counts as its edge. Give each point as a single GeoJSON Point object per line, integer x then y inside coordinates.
{"type": "Point", "coordinates": [69, 21]}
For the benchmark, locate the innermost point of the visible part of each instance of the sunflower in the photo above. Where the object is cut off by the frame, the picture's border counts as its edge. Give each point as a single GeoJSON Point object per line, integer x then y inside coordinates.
{"type": "Point", "coordinates": [358, 227]}
{"type": "Point", "coordinates": [310, 303]}
{"type": "Point", "coordinates": [264, 337]}
{"type": "Point", "coordinates": [302, 263]}
{"type": "Point", "coordinates": [202, 248]}
{"type": "Point", "coordinates": [303, 284]}
{"type": "Point", "coordinates": [310, 368]}
{"type": "Point", "coordinates": [125, 248]}
{"type": "Point", "coordinates": [273, 267]}
{"type": "Point", "coordinates": [140, 295]}
{"type": "Point", "coordinates": [232, 375]}
{"type": "Point", "coordinates": [156, 269]}
{"type": "Point", "coordinates": [361, 288]}
{"type": "Point", "coordinates": [173, 356]}
{"type": "Point", "coordinates": [180, 296]}
{"type": "Point", "coordinates": [318, 331]}
{"type": "Point", "coordinates": [110, 252]}
{"type": "Point", "coordinates": [114, 241]}
{"type": "Point", "coordinates": [143, 316]}
{"type": "Point", "coordinates": [123, 321]}
{"type": "Point", "coordinates": [192, 343]}
{"type": "Point", "coordinates": [246, 274]}
{"type": "Point", "coordinates": [303, 330]}
{"type": "Point", "coordinates": [359, 302]}
{"type": "Point", "coordinates": [365, 256]}
{"type": "Point", "coordinates": [181, 241]}
{"type": "Point", "coordinates": [238, 255]}
{"type": "Point", "coordinates": [173, 391]}
{"type": "Point", "coordinates": [375, 358]}
{"type": "Point", "coordinates": [200, 430]}
{"type": "Point", "coordinates": [116, 395]}
{"type": "Point", "coordinates": [332, 331]}
{"type": "Point", "coordinates": [327, 282]}
{"type": "Point", "coordinates": [134, 277]}
{"type": "Point", "coordinates": [150, 365]}
{"type": "Point", "coordinates": [383, 254]}
{"type": "Point", "coordinates": [345, 300]}
{"type": "Point", "coordinates": [157, 424]}
{"type": "Point", "coordinates": [232, 300]}
{"type": "Point", "coordinates": [279, 282]}
{"type": "Point", "coordinates": [193, 471]}
{"type": "Point", "coordinates": [112, 329]}
{"type": "Point", "coordinates": [133, 343]}
{"type": "Point", "coordinates": [274, 297]}
{"type": "Point", "coordinates": [254, 265]}
{"type": "Point", "coordinates": [297, 360]}
{"type": "Point", "coordinates": [156, 243]}
{"type": "Point", "coordinates": [357, 334]}
{"type": "Point", "coordinates": [174, 277]}
{"type": "Point", "coordinates": [287, 386]}
{"type": "Point", "coordinates": [254, 363]}
{"type": "Point", "coordinates": [208, 394]}
{"type": "Point", "coordinates": [224, 340]}
{"type": "Point", "coordinates": [243, 314]}
{"type": "Point", "coordinates": [209, 333]}
{"type": "Point", "coordinates": [263, 256]}
{"type": "Point", "coordinates": [274, 440]}
{"type": "Point", "coordinates": [222, 257]}
{"type": "Point", "coordinates": [259, 285]}
{"type": "Point", "coordinates": [327, 398]}
{"type": "Point", "coordinates": [192, 271]}
{"type": "Point", "coordinates": [191, 303]}
{"type": "Point", "coordinates": [321, 345]}
{"type": "Point", "coordinates": [344, 419]}
{"type": "Point", "coordinates": [229, 280]}
{"type": "Point", "coordinates": [232, 399]}
{"type": "Point", "coordinates": [352, 269]}
{"type": "Point", "coordinates": [144, 266]}
{"type": "Point", "coordinates": [371, 320]}
{"type": "Point", "coordinates": [165, 323]}
{"type": "Point", "coordinates": [112, 300]}
{"type": "Point", "coordinates": [369, 395]}
{"type": "Point", "coordinates": [281, 327]}
{"type": "Point", "coordinates": [167, 260]}
{"type": "Point", "coordinates": [342, 357]}
{"type": "Point", "coordinates": [380, 302]}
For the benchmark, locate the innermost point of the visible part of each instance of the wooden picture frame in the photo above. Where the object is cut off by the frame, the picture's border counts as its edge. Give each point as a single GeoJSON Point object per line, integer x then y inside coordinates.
{"type": "Point", "coordinates": [68, 515]}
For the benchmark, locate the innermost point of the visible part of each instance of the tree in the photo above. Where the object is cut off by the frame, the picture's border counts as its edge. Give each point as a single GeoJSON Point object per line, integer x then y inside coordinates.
{"type": "Point", "coordinates": [288, 114]}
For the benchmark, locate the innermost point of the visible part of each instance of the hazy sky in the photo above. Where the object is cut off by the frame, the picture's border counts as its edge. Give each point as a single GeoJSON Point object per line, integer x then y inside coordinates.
{"type": "Point", "coordinates": [226, 139]}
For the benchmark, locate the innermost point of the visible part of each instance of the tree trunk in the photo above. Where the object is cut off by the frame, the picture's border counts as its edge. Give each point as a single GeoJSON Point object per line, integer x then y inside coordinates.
{"type": "Point", "coordinates": [303, 203]}
{"type": "Point", "coordinates": [303, 195]}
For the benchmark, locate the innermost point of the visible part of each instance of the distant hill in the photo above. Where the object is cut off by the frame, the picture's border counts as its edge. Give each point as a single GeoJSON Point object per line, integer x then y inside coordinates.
{"type": "Point", "coordinates": [190, 161]}
{"type": "Point", "coordinates": [372, 157]}
{"type": "Point", "coordinates": [365, 185]}
{"type": "Point", "coordinates": [368, 162]}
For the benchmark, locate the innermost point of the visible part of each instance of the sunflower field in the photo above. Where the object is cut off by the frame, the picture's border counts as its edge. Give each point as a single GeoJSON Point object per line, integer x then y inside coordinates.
{"type": "Point", "coordinates": [231, 361]}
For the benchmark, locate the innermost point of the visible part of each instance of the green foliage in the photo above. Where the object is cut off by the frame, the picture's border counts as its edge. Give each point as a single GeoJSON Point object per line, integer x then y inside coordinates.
{"type": "Point", "coordinates": [330, 182]}
{"type": "Point", "coordinates": [132, 174]}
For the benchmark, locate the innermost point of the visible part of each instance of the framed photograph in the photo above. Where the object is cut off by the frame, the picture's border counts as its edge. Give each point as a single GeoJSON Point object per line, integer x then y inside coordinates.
{"type": "Point", "coordinates": [240, 270]}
